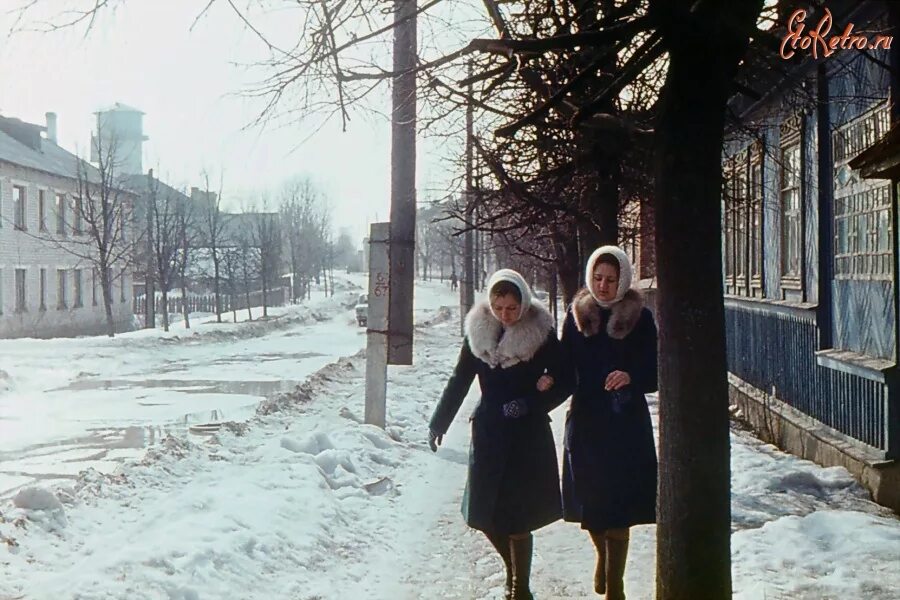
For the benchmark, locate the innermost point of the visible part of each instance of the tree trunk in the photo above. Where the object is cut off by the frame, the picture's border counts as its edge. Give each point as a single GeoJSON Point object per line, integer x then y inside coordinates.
{"type": "Point", "coordinates": [165, 309]}
{"type": "Point", "coordinates": [107, 303]}
{"type": "Point", "coordinates": [694, 513]}
{"type": "Point", "coordinates": [568, 266]}
{"type": "Point", "coordinates": [185, 309]}
{"type": "Point", "coordinates": [554, 293]}
{"type": "Point", "coordinates": [216, 284]}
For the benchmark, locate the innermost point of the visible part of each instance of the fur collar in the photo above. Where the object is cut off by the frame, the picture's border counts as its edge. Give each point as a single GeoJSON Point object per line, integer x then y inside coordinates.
{"type": "Point", "coordinates": [624, 314]}
{"type": "Point", "coordinates": [519, 343]}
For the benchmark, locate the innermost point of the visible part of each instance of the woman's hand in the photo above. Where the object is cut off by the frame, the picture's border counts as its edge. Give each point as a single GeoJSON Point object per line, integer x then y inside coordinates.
{"type": "Point", "coordinates": [617, 380]}
{"type": "Point", "coordinates": [544, 383]}
{"type": "Point", "coordinates": [434, 439]}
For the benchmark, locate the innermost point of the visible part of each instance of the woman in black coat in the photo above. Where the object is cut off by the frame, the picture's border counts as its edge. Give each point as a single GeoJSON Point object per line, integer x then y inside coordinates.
{"type": "Point", "coordinates": [609, 353]}
{"type": "Point", "coordinates": [513, 480]}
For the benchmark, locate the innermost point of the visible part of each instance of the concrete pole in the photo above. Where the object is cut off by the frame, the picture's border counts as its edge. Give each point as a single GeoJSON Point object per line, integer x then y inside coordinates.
{"type": "Point", "coordinates": [377, 324]}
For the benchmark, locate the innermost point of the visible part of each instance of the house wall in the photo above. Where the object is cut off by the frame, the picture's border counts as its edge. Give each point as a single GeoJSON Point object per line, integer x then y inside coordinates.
{"type": "Point", "coordinates": [33, 250]}
{"type": "Point", "coordinates": [825, 343]}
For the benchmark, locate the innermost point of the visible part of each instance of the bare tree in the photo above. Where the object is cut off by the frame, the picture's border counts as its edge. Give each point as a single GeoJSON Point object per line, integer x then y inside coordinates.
{"type": "Point", "coordinates": [246, 259]}
{"type": "Point", "coordinates": [265, 238]}
{"type": "Point", "coordinates": [188, 234]}
{"type": "Point", "coordinates": [230, 273]}
{"type": "Point", "coordinates": [212, 224]}
{"type": "Point", "coordinates": [163, 206]}
{"type": "Point", "coordinates": [102, 221]}
{"type": "Point", "coordinates": [305, 227]}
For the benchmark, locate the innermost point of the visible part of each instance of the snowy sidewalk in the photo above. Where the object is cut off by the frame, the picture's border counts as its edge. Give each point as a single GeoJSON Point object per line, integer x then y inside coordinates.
{"type": "Point", "coordinates": [304, 502]}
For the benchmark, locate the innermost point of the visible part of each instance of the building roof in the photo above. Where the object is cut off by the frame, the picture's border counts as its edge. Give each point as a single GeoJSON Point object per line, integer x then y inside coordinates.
{"type": "Point", "coordinates": [21, 144]}
{"type": "Point", "coordinates": [881, 160]}
{"type": "Point", "coordinates": [119, 107]}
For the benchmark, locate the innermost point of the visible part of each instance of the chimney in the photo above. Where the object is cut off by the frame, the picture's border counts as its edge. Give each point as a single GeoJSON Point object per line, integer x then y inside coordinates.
{"type": "Point", "coordinates": [51, 127]}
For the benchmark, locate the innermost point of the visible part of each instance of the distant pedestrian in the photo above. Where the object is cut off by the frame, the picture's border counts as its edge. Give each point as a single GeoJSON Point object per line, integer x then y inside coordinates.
{"type": "Point", "coordinates": [453, 285]}
{"type": "Point", "coordinates": [513, 480]}
{"type": "Point", "coordinates": [609, 358]}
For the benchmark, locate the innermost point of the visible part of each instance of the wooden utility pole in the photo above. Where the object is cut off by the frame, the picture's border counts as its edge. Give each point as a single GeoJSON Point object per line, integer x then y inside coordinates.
{"type": "Point", "coordinates": [403, 185]}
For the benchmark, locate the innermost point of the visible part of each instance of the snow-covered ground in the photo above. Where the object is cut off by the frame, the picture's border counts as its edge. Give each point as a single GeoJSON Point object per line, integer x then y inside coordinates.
{"type": "Point", "coordinates": [299, 500]}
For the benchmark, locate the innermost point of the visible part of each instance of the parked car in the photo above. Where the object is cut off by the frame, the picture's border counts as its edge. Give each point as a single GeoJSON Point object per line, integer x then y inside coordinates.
{"type": "Point", "coordinates": [362, 310]}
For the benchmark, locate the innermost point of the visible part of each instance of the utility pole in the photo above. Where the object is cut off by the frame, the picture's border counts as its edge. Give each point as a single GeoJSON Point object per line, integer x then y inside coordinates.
{"type": "Point", "coordinates": [392, 270]}
{"type": "Point", "coordinates": [403, 185]}
{"type": "Point", "coordinates": [377, 324]}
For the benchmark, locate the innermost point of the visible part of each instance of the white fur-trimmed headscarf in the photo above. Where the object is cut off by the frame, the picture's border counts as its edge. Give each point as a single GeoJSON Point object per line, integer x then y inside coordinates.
{"type": "Point", "coordinates": [626, 273]}
{"type": "Point", "coordinates": [504, 347]}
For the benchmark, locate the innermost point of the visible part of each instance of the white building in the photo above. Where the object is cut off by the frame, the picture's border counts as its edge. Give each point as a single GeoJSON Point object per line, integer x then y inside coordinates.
{"type": "Point", "coordinates": [47, 287]}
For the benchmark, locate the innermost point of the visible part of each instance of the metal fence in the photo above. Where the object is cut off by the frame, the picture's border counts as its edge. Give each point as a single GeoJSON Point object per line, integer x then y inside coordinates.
{"type": "Point", "coordinates": [776, 349]}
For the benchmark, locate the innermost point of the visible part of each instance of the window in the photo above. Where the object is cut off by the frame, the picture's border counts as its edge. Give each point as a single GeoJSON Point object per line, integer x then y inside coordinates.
{"type": "Point", "coordinates": [122, 285]}
{"type": "Point", "coordinates": [42, 210]}
{"type": "Point", "coordinates": [863, 228]}
{"type": "Point", "coordinates": [61, 214]}
{"type": "Point", "coordinates": [1, 290]}
{"type": "Point", "coordinates": [756, 218]}
{"type": "Point", "coordinates": [19, 206]}
{"type": "Point", "coordinates": [728, 217]}
{"type": "Point", "coordinates": [742, 222]}
{"type": "Point", "coordinates": [20, 291]}
{"type": "Point", "coordinates": [77, 297]}
{"type": "Point", "coordinates": [94, 278]}
{"type": "Point", "coordinates": [61, 289]}
{"type": "Point", "coordinates": [43, 289]}
{"type": "Point", "coordinates": [77, 221]}
{"type": "Point", "coordinates": [791, 233]}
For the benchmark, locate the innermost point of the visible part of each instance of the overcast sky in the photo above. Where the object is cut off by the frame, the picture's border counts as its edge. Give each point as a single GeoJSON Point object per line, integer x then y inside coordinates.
{"type": "Point", "coordinates": [146, 55]}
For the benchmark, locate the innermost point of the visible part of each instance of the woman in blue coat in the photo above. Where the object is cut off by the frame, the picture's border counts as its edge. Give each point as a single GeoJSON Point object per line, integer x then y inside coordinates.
{"type": "Point", "coordinates": [513, 479]}
{"type": "Point", "coordinates": [609, 354]}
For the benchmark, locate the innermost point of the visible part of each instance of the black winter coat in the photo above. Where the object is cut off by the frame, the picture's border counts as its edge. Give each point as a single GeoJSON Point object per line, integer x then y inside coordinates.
{"type": "Point", "coordinates": [513, 478]}
{"type": "Point", "coordinates": [609, 466]}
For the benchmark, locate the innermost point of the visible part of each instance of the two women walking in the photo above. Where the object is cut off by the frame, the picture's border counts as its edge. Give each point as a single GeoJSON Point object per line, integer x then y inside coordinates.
{"type": "Point", "coordinates": [606, 360]}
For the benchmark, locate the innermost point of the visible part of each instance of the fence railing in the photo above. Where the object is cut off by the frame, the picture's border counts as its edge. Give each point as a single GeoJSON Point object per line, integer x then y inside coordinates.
{"type": "Point", "coordinates": [207, 302]}
{"type": "Point", "coordinates": [776, 349]}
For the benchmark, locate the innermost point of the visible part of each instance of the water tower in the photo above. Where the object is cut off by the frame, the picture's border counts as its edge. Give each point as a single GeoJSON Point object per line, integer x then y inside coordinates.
{"type": "Point", "coordinates": [120, 130]}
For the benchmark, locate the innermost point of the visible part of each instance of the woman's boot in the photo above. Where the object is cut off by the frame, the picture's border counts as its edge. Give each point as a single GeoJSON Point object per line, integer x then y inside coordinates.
{"type": "Point", "coordinates": [599, 539]}
{"type": "Point", "coordinates": [616, 556]}
{"type": "Point", "coordinates": [520, 553]}
{"type": "Point", "coordinates": [500, 542]}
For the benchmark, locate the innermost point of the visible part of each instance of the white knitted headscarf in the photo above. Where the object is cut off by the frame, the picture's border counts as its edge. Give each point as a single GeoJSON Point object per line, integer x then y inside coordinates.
{"type": "Point", "coordinates": [626, 272]}
{"type": "Point", "coordinates": [517, 280]}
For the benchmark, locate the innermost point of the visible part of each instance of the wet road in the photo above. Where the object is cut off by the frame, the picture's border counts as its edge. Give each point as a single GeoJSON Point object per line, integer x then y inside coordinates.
{"type": "Point", "coordinates": [66, 405]}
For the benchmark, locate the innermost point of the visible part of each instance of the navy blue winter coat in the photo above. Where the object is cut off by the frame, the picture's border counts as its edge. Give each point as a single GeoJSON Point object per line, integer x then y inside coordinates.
{"type": "Point", "coordinates": [513, 476]}
{"type": "Point", "coordinates": [609, 466]}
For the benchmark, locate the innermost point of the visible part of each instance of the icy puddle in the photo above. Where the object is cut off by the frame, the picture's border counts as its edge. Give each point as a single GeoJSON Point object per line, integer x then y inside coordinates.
{"type": "Point", "coordinates": [147, 410]}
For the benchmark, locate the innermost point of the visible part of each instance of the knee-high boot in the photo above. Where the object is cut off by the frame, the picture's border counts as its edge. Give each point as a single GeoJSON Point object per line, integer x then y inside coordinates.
{"type": "Point", "coordinates": [599, 539]}
{"type": "Point", "coordinates": [616, 556]}
{"type": "Point", "coordinates": [501, 544]}
{"type": "Point", "coordinates": [521, 548]}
